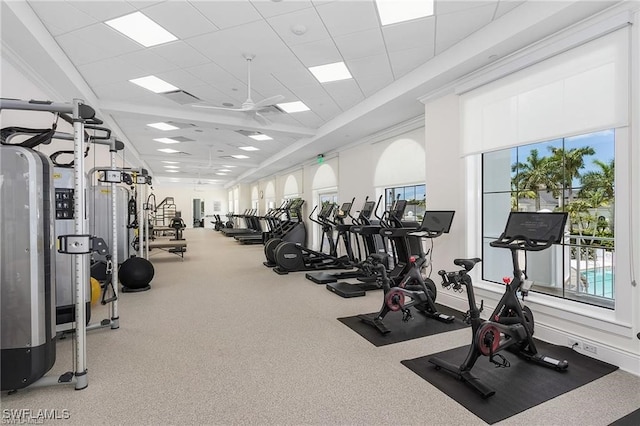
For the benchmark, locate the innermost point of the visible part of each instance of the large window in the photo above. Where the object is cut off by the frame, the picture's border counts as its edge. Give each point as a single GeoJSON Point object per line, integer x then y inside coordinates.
{"type": "Point", "coordinates": [416, 200]}
{"type": "Point", "coordinates": [573, 174]}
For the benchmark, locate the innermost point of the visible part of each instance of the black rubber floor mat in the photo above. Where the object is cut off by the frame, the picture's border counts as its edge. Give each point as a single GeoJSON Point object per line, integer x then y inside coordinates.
{"type": "Point", "coordinates": [419, 326]}
{"type": "Point", "coordinates": [631, 419]}
{"type": "Point", "coordinates": [519, 387]}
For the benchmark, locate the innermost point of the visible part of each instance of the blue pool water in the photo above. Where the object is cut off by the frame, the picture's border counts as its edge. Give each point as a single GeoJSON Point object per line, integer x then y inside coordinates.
{"type": "Point", "coordinates": [600, 281]}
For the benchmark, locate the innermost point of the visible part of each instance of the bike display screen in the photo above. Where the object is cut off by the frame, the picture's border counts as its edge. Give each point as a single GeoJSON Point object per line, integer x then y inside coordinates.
{"type": "Point", "coordinates": [537, 227]}
{"type": "Point", "coordinates": [437, 220]}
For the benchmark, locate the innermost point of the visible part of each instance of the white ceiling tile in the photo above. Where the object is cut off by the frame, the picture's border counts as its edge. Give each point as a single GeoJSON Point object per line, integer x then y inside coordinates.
{"type": "Point", "coordinates": [103, 10]}
{"type": "Point", "coordinates": [78, 50]}
{"type": "Point", "coordinates": [221, 80]}
{"type": "Point", "coordinates": [407, 35]}
{"type": "Point", "coordinates": [107, 40]}
{"type": "Point", "coordinates": [345, 93]}
{"type": "Point", "coordinates": [308, 119]}
{"type": "Point", "coordinates": [181, 54]}
{"type": "Point", "coordinates": [319, 52]}
{"type": "Point", "coordinates": [226, 14]}
{"type": "Point", "coordinates": [181, 78]}
{"type": "Point", "coordinates": [270, 8]}
{"type": "Point", "coordinates": [443, 7]}
{"type": "Point", "coordinates": [211, 96]}
{"type": "Point", "coordinates": [296, 76]}
{"type": "Point", "coordinates": [453, 27]}
{"type": "Point", "coordinates": [371, 65]}
{"type": "Point", "coordinates": [141, 4]}
{"type": "Point", "coordinates": [308, 18]}
{"type": "Point", "coordinates": [361, 44]}
{"type": "Point", "coordinates": [404, 61]}
{"type": "Point", "coordinates": [228, 45]}
{"type": "Point", "coordinates": [60, 16]}
{"type": "Point", "coordinates": [316, 98]}
{"type": "Point", "coordinates": [180, 18]}
{"type": "Point", "coordinates": [372, 84]}
{"type": "Point", "coordinates": [120, 91]}
{"type": "Point", "coordinates": [110, 70]}
{"type": "Point", "coordinates": [506, 6]}
{"type": "Point", "coordinates": [148, 61]}
{"type": "Point", "coordinates": [344, 17]}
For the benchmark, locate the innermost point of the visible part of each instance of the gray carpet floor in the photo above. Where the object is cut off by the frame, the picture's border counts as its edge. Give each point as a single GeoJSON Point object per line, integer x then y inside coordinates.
{"type": "Point", "coordinates": [220, 339]}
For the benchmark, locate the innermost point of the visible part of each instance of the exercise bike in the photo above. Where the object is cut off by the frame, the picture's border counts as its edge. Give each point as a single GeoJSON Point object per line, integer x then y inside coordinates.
{"type": "Point", "coordinates": [510, 325]}
{"type": "Point", "coordinates": [409, 283]}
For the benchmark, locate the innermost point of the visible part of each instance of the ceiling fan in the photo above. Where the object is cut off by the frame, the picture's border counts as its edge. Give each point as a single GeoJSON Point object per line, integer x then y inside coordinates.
{"type": "Point", "coordinates": [250, 107]}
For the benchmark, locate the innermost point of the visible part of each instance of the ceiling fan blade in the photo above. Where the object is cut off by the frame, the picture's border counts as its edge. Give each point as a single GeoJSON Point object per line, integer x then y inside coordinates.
{"type": "Point", "coordinates": [220, 108]}
{"type": "Point", "coordinates": [261, 119]}
{"type": "Point", "coordinates": [272, 100]}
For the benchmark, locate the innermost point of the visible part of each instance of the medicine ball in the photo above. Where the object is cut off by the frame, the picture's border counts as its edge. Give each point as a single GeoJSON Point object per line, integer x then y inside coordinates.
{"type": "Point", "coordinates": [135, 274]}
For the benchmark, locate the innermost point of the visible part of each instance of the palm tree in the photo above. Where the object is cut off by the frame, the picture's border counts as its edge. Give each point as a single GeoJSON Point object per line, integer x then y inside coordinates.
{"type": "Point", "coordinates": [532, 176]}
{"type": "Point", "coordinates": [567, 165]}
{"type": "Point", "coordinates": [599, 186]}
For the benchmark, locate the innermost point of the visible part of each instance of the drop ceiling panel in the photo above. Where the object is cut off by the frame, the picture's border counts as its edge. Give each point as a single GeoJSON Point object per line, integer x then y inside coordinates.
{"type": "Point", "coordinates": [373, 83]}
{"type": "Point", "coordinates": [370, 66]}
{"type": "Point", "coordinates": [308, 18]}
{"type": "Point", "coordinates": [79, 51]}
{"type": "Point", "coordinates": [453, 27]}
{"type": "Point", "coordinates": [345, 17]}
{"type": "Point", "coordinates": [296, 77]}
{"type": "Point", "coordinates": [122, 91]}
{"type": "Point", "coordinates": [319, 52]}
{"type": "Point", "coordinates": [405, 61]}
{"type": "Point", "coordinates": [181, 79]}
{"type": "Point", "coordinates": [319, 101]}
{"type": "Point", "coordinates": [60, 17]}
{"type": "Point", "coordinates": [103, 10]}
{"type": "Point", "coordinates": [111, 70]}
{"type": "Point", "coordinates": [141, 4]}
{"type": "Point", "coordinates": [228, 14]}
{"type": "Point", "coordinates": [442, 7]}
{"type": "Point", "coordinates": [309, 119]}
{"type": "Point", "coordinates": [269, 9]}
{"type": "Point", "coordinates": [107, 40]}
{"type": "Point", "coordinates": [345, 93]}
{"type": "Point", "coordinates": [407, 35]}
{"type": "Point", "coordinates": [181, 54]}
{"type": "Point", "coordinates": [361, 44]}
{"type": "Point", "coordinates": [228, 45]}
{"type": "Point", "coordinates": [148, 61]}
{"type": "Point", "coordinates": [180, 18]}
{"type": "Point", "coordinates": [221, 80]}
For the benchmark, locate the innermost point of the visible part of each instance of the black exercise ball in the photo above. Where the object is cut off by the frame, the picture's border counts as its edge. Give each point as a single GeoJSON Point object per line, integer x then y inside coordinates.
{"type": "Point", "coordinates": [136, 273]}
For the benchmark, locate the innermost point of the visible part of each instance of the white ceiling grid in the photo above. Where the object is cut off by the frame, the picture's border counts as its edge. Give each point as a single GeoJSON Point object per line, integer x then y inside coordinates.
{"type": "Point", "coordinates": [286, 37]}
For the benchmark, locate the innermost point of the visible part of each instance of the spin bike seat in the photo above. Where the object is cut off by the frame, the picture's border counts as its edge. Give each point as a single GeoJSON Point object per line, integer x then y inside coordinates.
{"type": "Point", "coordinates": [467, 264]}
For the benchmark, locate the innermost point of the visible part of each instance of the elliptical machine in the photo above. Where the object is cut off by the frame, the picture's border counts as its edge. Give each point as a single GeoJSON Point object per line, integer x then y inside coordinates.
{"type": "Point", "coordinates": [293, 257]}
{"type": "Point", "coordinates": [511, 323]}
{"type": "Point", "coordinates": [409, 282]}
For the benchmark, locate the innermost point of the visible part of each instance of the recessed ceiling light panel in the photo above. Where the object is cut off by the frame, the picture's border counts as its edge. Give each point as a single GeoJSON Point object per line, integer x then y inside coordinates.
{"type": "Point", "coordinates": [261, 137]}
{"type": "Point", "coordinates": [394, 11]}
{"type": "Point", "coordinates": [249, 148]}
{"type": "Point", "coordinates": [155, 84]}
{"type": "Point", "coordinates": [331, 72]}
{"type": "Point", "coordinates": [240, 157]}
{"type": "Point", "coordinates": [168, 150]}
{"type": "Point", "coordinates": [163, 126]}
{"type": "Point", "coordinates": [290, 107]}
{"type": "Point", "coordinates": [170, 162]}
{"type": "Point", "coordinates": [171, 167]}
{"type": "Point", "coordinates": [141, 29]}
{"type": "Point", "coordinates": [172, 171]}
{"type": "Point", "coordinates": [166, 140]}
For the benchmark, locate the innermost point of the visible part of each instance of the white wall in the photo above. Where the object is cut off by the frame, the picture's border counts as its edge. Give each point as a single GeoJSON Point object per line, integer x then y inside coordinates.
{"type": "Point", "coordinates": [183, 196]}
{"type": "Point", "coordinates": [445, 177]}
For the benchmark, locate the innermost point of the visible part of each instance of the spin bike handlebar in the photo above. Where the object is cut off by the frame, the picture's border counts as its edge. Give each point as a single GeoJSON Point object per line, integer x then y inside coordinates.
{"type": "Point", "coordinates": [521, 242]}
